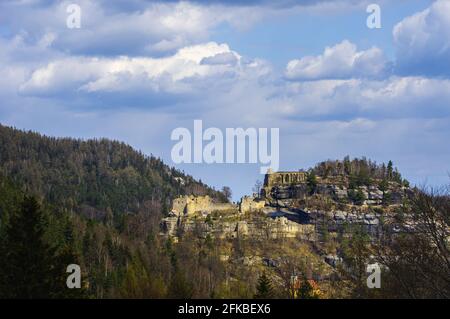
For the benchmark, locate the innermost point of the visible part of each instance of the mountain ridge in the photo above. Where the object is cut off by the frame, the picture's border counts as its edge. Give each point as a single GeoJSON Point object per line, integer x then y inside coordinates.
{"type": "Point", "coordinates": [99, 173]}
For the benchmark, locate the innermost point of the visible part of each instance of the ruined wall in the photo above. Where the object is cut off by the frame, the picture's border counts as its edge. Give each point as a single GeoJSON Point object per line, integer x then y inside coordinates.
{"type": "Point", "coordinates": [283, 178]}
{"type": "Point", "coordinates": [189, 205]}
{"type": "Point", "coordinates": [250, 204]}
{"type": "Point", "coordinates": [179, 205]}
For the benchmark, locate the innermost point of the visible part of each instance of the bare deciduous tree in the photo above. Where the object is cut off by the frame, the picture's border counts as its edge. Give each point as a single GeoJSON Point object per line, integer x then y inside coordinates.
{"type": "Point", "coordinates": [417, 260]}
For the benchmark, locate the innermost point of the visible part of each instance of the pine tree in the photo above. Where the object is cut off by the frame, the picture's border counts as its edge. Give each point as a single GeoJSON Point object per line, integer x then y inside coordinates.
{"type": "Point", "coordinates": [29, 266]}
{"type": "Point", "coordinates": [311, 182]}
{"type": "Point", "coordinates": [24, 261]}
{"type": "Point", "coordinates": [390, 170]}
{"type": "Point", "coordinates": [264, 288]}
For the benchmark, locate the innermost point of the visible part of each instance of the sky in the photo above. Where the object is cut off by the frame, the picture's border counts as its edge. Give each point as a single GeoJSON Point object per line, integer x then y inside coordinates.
{"type": "Point", "coordinates": [136, 70]}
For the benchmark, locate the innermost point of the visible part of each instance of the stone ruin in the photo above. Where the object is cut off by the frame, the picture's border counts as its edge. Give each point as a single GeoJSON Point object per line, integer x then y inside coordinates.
{"type": "Point", "coordinates": [190, 205]}
{"type": "Point", "coordinates": [250, 203]}
{"type": "Point", "coordinates": [276, 203]}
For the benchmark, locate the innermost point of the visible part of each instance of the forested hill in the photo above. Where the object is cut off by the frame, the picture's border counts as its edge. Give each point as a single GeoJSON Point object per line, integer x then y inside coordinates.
{"type": "Point", "coordinates": [94, 177]}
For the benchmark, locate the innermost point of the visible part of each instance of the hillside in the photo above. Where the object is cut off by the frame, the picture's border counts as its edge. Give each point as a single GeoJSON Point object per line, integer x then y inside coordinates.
{"type": "Point", "coordinates": [140, 229]}
{"type": "Point", "coordinates": [91, 177]}
{"type": "Point", "coordinates": [101, 204]}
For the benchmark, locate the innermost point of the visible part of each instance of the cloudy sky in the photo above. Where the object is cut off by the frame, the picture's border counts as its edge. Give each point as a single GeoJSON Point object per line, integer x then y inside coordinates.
{"type": "Point", "coordinates": [137, 69]}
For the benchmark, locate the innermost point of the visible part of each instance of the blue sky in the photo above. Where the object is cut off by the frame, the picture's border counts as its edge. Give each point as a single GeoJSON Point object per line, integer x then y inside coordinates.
{"type": "Point", "coordinates": [136, 70]}
{"type": "Point", "coordinates": [293, 32]}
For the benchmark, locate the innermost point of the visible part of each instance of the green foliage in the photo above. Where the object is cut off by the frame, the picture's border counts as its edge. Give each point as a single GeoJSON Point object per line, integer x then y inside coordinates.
{"type": "Point", "coordinates": [390, 170]}
{"type": "Point", "coordinates": [357, 196]}
{"type": "Point", "coordinates": [91, 176]}
{"type": "Point", "coordinates": [406, 183]}
{"type": "Point", "coordinates": [10, 197]}
{"type": "Point", "coordinates": [103, 202]}
{"type": "Point", "coordinates": [311, 182]}
{"type": "Point", "coordinates": [29, 266]}
{"type": "Point", "coordinates": [360, 171]}
{"type": "Point", "coordinates": [361, 179]}
{"type": "Point", "coordinates": [387, 198]}
{"type": "Point", "coordinates": [209, 220]}
{"type": "Point", "coordinates": [383, 185]}
{"type": "Point", "coordinates": [264, 289]}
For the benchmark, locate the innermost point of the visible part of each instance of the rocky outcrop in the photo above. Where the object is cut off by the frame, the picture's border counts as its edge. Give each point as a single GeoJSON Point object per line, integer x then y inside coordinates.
{"type": "Point", "coordinates": [280, 188]}
{"type": "Point", "coordinates": [371, 195]}
{"type": "Point", "coordinates": [260, 227]}
{"type": "Point", "coordinates": [335, 220]}
{"type": "Point", "coordinates": [280, 211]}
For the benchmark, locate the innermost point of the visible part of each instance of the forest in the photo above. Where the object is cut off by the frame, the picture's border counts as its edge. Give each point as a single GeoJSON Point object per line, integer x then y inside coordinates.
{"type": "Point", "coordinates": [99, 203]}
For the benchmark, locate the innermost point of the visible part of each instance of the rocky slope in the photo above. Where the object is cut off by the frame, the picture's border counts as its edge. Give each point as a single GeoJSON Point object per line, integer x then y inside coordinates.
{"type": "Point", "coordinates": [298, 204]}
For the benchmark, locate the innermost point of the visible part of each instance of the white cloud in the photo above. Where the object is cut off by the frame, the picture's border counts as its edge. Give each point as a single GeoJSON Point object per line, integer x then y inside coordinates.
{"type": "Point", "coordinates": [395, 97]}
{"type": "Point", "coordinates": [341, 61]}
{"type": "Point", "coordinates": [143, 27]}
{"type": "Point", "coordinates": [164, 26]}
{"type": "Point", "coordinates": [179, 73]}
{"type": "Point", "coordinates": [221, 58]}
{"type": "Point", "coordinates": [423, 41]}
{"type": "Point", "coordinates": [147, 27]}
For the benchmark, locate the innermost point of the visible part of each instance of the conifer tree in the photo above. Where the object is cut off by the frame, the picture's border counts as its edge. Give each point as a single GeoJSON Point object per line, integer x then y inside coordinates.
{"type": "Point", "coordinates": [264, 288]}
{"type": "Point", "coordinates": [311, 182]}
{"type": "Point", "coordinates": [390, 170]}
{"type": "Point", "coordinates": [29, 266]}
{"type": "Point", "coordinates": [25, 257]}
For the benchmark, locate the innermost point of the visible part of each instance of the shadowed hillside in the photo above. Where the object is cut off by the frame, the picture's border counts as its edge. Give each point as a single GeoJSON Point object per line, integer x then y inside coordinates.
{"type": "Point", "coordinates": [93, 176]}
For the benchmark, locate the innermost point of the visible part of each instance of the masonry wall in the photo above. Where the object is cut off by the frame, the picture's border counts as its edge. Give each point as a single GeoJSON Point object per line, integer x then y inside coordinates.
{"type": "Point", "coordinates": [189, 205]}
{"type": "Point", "coordinates": [249, 204]}
{"type": "Point", "coordinates": [284, 178]}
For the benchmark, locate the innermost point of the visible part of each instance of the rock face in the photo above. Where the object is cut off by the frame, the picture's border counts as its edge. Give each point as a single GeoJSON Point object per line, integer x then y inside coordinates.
{"type": "Point", "coordinates": [190, 205]}
{"type": "Point", "coordinates": [260, 227]}
{"type": "Point", "coordinates": [281, 211]}
{"type": "Point", "coordinates": [280, 188]}
{"type": "Point", "coordinates": [334, 220]}
{"type": "Point", "coordinates": [340, 193]}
